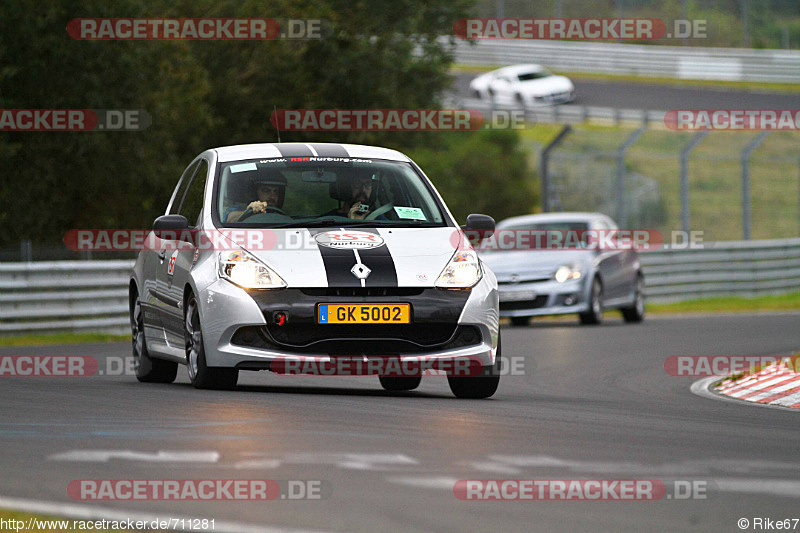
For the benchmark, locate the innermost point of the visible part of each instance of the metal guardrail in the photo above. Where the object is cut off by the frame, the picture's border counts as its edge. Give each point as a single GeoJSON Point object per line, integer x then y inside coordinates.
{"type": "Point", "coordinates": [93, 295]}
{"type": "Point", "coordinates": [742, 268]}
{"type": "Point", "coordinates": [682, 62]}
{"type": "Point", "coordinates": [571, 113]}
{"type": "Point", "coordinates": [64, 296]}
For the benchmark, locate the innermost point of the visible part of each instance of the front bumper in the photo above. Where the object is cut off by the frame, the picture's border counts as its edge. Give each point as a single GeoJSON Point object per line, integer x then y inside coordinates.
{"type": "Point", "coordinates": [550, 99]}
{"type": "Point", "coordinates": [543, 298]}
{"type": "Point", "coordinates": [239, 329]}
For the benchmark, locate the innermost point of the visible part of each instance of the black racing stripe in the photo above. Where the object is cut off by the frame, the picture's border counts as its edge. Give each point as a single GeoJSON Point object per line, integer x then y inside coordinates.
{"type": "Point", "coordinates": [294, 150]}
{"type": "Point", "coordinates": [337, 263]}
{"type": "Point", "coordinates": [330, 150]}
{"type": "Point", "coordinates": [379, 261]}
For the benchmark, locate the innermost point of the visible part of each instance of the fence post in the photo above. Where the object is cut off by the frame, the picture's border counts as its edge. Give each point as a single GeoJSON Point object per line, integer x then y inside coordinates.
{"type": "Point", "coordinates": [544, 171]}
{"type": "Point", "coordinates": [746, 153]}
{"type": "Point", "coordinates": [685, 150]}
{"type": "Point", "coordinates": [26, 251]}
{"type": "Point", "coordinates": [621, 151]}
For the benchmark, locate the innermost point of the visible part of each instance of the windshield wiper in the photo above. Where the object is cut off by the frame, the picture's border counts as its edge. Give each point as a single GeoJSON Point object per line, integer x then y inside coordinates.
{"type": "Point", "coordinates": [323, 222]}
{"type": "Point", "coordinates": [350, 223]}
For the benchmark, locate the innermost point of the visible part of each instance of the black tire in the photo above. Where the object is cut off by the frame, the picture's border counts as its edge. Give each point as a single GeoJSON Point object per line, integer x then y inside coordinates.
{"type": "Point", "coordinates": [477, 94]}
{"type": "Point", "coordinates": [400, 383]}
{"type": "Point", "coordinates": [520, 101]}
{"type": "Point", "coordinates": [478, 387]}
{"type": "Point", "coordinates": [595, 313]}
{"type": "Point", "coordinates": [148, 369]}
{"type": "Point", "coordinates": [201, 375]}
{"type": "Point", "coordinates": [635, 313]}
{"type": "Point", "coordinates": [520, 320]}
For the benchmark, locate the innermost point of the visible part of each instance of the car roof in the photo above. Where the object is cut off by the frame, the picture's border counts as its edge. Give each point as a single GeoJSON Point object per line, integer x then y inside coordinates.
{"type": "Point", "coordinates": [270, 150]}
{"type": "Point", "coordinates": [552, 217]}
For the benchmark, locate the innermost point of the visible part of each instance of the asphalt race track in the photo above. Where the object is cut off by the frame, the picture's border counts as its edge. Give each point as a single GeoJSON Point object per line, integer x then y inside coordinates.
{"type": "Point", "coordinates": [651, 96]}
{"type": "Point", "coordinates": [593, 403]}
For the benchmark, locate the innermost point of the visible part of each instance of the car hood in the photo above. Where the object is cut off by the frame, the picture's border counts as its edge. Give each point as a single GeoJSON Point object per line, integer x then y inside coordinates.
{"type": "Point", "coordinates": [550, 84]}
{"type": "Point", "coordinates": [528, 265]}
{"type": "Point", "coordinates": [405, 257]}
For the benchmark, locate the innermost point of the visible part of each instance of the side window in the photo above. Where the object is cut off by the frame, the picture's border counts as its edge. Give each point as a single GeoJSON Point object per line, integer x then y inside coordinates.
{"type": "Point", "coordinates": [192, 202]}
{"type": "Point", "coordinates": [180, 189]}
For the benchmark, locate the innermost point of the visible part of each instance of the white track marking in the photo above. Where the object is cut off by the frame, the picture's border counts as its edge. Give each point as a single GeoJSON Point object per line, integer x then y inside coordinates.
{"type": "Point", "coordinates": [104, 456]}
{"type": "Point", "coordinates": [424, 482]}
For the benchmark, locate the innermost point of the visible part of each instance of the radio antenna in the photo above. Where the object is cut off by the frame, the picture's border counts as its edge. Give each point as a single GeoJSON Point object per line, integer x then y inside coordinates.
{"type": "Point", "coordinates": [277, 123]}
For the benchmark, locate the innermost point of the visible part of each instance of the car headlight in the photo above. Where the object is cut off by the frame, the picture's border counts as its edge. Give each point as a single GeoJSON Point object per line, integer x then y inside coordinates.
{"type": "Point", "coordinates": [567, 272]}
{"type": "Point", "coordinates": [246, 271]}
{"type": "Point", "coordinates": [462, 272]}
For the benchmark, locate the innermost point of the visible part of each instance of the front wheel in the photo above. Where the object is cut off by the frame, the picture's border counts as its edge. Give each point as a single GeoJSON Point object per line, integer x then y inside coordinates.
{"type": "Point", "coordinates": [201, 375]}
{"type": "Point", "coordinates": [148, 369]}
{"type": "Point", "coordinates": [635, 313]}
{"type": "Point", "coordinates": [595, 313]}
{"type": "Point", "coordinates": [481, 386]}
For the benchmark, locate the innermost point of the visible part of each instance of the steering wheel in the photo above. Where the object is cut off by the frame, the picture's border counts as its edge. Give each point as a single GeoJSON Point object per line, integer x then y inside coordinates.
{"type": "Point", "coordinates": [249, 212]}
{"type": "Point", "coordinates": [378, 212]}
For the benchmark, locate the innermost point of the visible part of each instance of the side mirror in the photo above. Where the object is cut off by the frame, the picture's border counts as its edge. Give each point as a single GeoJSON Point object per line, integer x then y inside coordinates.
{"type": "Point", "coordinates": [172, 227]}
{"type": "Point", "coordinates": [481, 226]}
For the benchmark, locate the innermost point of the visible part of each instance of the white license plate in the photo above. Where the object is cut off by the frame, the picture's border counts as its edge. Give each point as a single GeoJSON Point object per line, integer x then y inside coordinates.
{"type": "Point", "coordinates": [516, 296]}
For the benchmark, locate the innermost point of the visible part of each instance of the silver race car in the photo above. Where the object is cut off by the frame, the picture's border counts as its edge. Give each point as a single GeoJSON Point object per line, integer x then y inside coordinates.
{"type": "Point", "coordinates": [270, 253]}
{"type": "Point", "coordinates": [563, 280]}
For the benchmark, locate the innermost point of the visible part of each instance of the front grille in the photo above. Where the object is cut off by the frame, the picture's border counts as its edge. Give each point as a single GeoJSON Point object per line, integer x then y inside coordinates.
{"type": "Point", "coordinates": [539, 301]}
{"type": "Point", "coordinates": [362, 291]}
{"type": "Point", "coordinates": [526, 280]}
{"type": "Point", "coordinates": [364, 339]}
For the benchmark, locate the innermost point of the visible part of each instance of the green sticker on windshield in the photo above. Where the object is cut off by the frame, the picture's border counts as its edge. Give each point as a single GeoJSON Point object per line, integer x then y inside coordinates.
{"type": "Point", "coordinates": [244, 167]}
{"type": "Point", "coordinates": [413, 213]}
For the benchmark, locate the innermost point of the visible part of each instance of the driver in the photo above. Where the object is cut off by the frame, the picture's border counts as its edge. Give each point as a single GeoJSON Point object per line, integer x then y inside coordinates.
{"type": "Point", "coordinates": [270, 191]}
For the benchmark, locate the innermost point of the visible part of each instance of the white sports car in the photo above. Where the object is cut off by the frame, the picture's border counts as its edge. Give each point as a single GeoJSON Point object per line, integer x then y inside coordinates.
{"type": "Point", "coordinates": [523, 85]}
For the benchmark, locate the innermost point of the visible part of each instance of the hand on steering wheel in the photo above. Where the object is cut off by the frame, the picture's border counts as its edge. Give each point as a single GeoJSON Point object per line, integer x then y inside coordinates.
{"type": "Point", "coordinates": [250, 212]}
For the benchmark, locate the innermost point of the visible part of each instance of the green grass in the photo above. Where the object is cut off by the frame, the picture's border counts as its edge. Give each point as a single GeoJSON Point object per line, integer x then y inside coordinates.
{"type": "Point", "coordinates": [790, 88]}
{"type": "Point", "coordinates": [714, 175]}
{"type": "Point", "coordinates": [61, 338]}
{"type": "Point", "coordinates": [730, 304]}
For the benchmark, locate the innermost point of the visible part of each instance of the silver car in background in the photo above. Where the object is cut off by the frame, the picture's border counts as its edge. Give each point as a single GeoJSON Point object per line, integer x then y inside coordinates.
{"type": "Point", "coordinates": [543, 281]}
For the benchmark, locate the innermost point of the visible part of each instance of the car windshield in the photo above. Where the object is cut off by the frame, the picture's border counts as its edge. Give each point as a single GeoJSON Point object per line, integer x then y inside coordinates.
{"type": "Point", "coordinates": [550, 226]}
{"type": "Point", "coordinates": [539, 74]}
{"type": "Point", "coordinates": [564, 228]}
{"type": "Point", "coordinates": [323, 191]}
